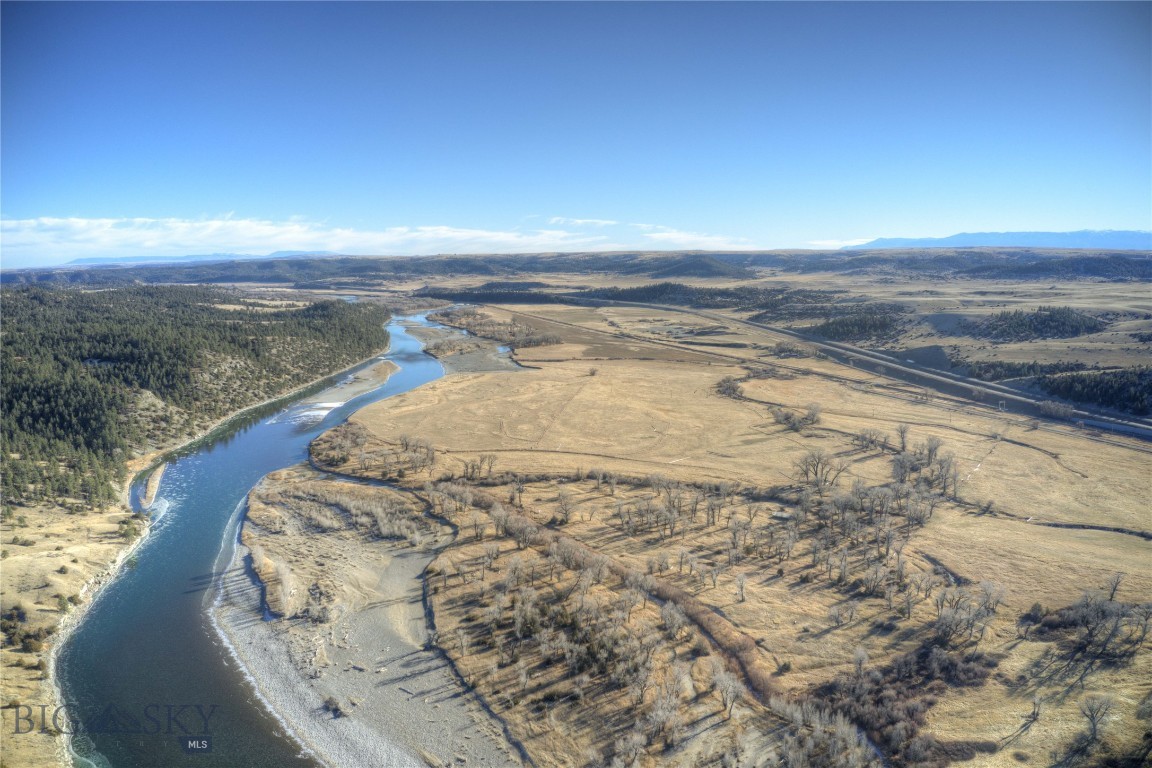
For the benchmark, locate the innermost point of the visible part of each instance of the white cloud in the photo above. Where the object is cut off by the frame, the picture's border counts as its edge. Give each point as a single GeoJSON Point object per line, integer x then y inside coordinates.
{"type": "Point", "coordinates": [565, 221]}
{"type": "Point", "coordinates": [48, 240]}
{"type": "Point", "coordinates": [667, 237]}
{"type": "Point", "coordinates": [662, 237]}
{"type": "Point", "coordinates": [840, 243]}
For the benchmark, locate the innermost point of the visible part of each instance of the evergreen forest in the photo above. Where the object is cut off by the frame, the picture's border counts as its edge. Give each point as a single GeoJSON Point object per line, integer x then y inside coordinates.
{"type": "Point", "coordinates": [1128, 389]}
{"type": "Point", "coordinates": [90, 375]}
{"type": "Point", "coordinates": [1044, 323]}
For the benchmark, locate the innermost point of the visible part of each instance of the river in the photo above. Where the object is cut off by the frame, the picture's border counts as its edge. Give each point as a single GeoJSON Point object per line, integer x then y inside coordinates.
{"type": "Point", "coordinates": [145, 676]}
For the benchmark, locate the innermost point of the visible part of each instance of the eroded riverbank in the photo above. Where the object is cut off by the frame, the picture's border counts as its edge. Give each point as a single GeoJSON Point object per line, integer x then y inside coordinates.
{"type": "Point", "coordinates": [350, 627]}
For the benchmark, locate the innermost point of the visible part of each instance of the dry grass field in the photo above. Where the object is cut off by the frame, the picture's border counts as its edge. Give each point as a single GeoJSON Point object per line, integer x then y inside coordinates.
{"type": "Point", "coordinates": [938, 306]}
{"type": "Point", "coordinates": [47, 570]}
{"type": "Point", "coordinates": [53, 560]}
{"type": "Point", "coordinates": [611, 478]}
{"type": "Point", "coordinates": [935, 307]}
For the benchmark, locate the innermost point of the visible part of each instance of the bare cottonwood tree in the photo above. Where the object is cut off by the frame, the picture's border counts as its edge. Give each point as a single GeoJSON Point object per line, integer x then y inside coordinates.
{"type": "Point", "coordinates": [731, 690]}
{"type": "Point", "coordinates": [629, 599]}
{"type": "Point", "coordinates": [491, 553]}
{"type": "Point", "coordinates": [902, 434]}
{"type": "Point", "coordinates": [674, 619]}
{"type": "Point", "coordinates": [565, 504]}
{"type": "Point", "coordinates": [1114, 585]}
{"type": "Point", "coordinates": [819, 469]}
{"type": "Point", "coordinates": [1096, 707]}
{"type": "Point", "coordinates": [479, 523]}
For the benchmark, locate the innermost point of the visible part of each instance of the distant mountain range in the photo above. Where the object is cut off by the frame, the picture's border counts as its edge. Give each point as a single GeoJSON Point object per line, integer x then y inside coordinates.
{"type": "Point", "coordinates": [1108, 239]}
{"type": "Point", "coordinates": [95, 261]}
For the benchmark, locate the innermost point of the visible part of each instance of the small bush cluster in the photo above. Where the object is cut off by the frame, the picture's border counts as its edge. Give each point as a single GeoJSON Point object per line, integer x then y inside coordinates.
{"type": "Point", "coordinates": [891, 704]}
{"type": "Point", "coordinates": [729, 386]}
{"type": "Point", "coordinates": [796, 421]}
{"type": "Point", "coordinates": [1099, 625]}
{"type": "Point", "coordinates": [13, 622]}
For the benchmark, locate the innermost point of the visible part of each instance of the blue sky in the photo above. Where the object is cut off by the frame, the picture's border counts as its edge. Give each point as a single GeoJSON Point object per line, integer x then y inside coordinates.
{"type": "Point", "coordinates": [407, 128]}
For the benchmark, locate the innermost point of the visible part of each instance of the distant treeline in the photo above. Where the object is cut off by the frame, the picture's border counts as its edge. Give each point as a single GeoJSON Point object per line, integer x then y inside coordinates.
{"type": "Point", "coordinates": [1045, 322]}
{"type": "Point", "coordinates": [289, 271]}
{"type": "Point", "coordinates": [970, 263]}
{"type": "Point", "coordinates": [481, 296]}
{"type": "Point", "coordinates": [346, 270]}
{"type": "Point", "coordinates": [984, 263]}
{"type": "Point", "coordinates": [702, 266]}
{"type": "Point", "coordinates": [76, 362]}
{"type": "Point", "coordinates": [677, 294]}
{"type": "Point", "coordinates": [770, 303]}
{"type": "Point", "coordinates": [857, 327]}
{"type": "Point", "coordinates": [1110, 267]}
{"type": "Point", "coordinates": [512, 285]}
{"type": "Point", "coordinates": [999, 370]}
{"type": "Point", "coordinates": [1125, 390]}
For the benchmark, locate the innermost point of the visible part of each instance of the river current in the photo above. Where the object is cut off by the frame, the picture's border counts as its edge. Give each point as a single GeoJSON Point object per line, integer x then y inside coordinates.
{"type": "Point", "coordinates": [147, 680]}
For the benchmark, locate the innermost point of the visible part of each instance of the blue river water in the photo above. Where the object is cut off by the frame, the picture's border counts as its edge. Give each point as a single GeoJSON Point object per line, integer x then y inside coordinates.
{"type": "Point", "coordinates": [146, 679]}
